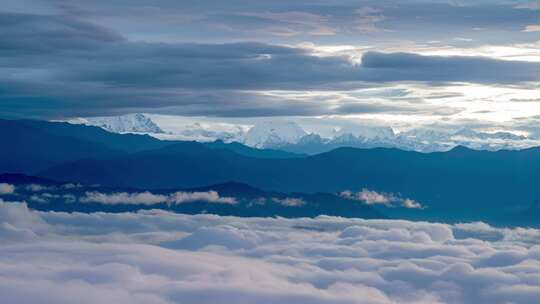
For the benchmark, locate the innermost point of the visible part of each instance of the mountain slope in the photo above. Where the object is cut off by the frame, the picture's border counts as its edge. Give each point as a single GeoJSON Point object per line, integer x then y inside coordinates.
{"type": "Point", "coordinates": [28, 149]}
{"type": "Point", "coordinates": [251, 152]}
{"type": "Point", "coordinates": [32, 146]}
{"type": "Point", "coordinates": [461, 184]}
{"type": "Point", "coordinates": [124, 142]}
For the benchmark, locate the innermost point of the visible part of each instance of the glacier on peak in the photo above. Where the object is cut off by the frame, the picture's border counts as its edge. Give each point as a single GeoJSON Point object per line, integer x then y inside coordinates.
{"type": "Point", "coordinates": [290, 136]}
{"type": "Point", "coordinates": [129, 123]}
{"type": "Point", "coordinates": [273, 134]}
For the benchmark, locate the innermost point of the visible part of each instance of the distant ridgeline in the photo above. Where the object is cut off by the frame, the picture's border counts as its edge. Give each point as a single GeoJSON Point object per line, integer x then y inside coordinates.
{"type": "Point", "coordinates": [458, 185]}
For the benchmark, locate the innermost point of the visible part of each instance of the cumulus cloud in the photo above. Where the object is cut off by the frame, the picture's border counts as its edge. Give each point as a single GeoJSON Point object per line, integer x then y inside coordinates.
{"type": "Point", "coordinates": [18, 223]}
{"type": "Point", "coordinates": [6, 188]}
{"type": "Point", "coordinates": [148, 198]}
{"type": "Point", "coordinates": [409, 203]}
{"type": "Point", "coordinates": [371, 197]}
{"type": "Point", "coordinates": [161, 257]}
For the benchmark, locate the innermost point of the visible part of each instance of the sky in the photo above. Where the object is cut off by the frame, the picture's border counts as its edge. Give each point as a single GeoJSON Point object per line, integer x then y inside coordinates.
{"type": "Point", "coordinates": [396, 63]}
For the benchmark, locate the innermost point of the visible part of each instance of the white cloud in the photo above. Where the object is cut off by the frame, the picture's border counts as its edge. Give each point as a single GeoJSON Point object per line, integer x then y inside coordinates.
{"type": "Point", "coordinates": [143, 198]}
{"type": "Point", "coordinates": [532, 28]}
{"type": "Point", "coordinates": [371, 197]}
{"type": "Point", "coordinates": [148, 198]}
{"type": "Point", "coordinates": [289, 201]}
{"type": "Point", "coordinates": [38, 199]}
{"type": "Point", "coordinates": [412, 204]}
{"type": "Point", "coordinates": [6, 188]}
{"type": "Point", "coordinates": [35, 187]}
{"type": "Point", "coordinates": [161, 257]}
{"type": "Point", "coordinates": [18, 223]}
{"type": "Point", "coordinates": [45, 197]}
{"type": "Point", "coordinates": [41, 188]}
{"type": "Point", "coordinates": [209, 196]}
{"type": "Point", "coordinates": [71, 186]}
{"type": "Point", "coordinates": [530, 6]}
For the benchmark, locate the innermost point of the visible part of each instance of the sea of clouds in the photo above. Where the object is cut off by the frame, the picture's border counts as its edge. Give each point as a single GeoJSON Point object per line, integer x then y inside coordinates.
{"type": "Point", "coordinates": [161, 257]}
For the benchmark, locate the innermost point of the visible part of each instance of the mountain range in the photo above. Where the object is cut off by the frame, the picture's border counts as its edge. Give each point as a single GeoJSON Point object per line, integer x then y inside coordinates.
{"type": "Point", "coordinates": [228, 199]}
{"type": "Point", "coordinates": [129, 123]}
{"type": "Point", "coordinates": [460, 184]}
{"type": "Point", "coordinates": [291, 137]}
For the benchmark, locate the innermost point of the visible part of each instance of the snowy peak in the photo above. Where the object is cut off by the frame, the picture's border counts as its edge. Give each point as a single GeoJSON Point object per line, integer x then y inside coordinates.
{"type": "Point", "coordinates": [468, 133]}
{"type": "Point", "coordinates": [204, 133]}
{"type": "Point", "coordinates": [274, 134]}
{"type": "Point", "coordinates": [366, 132]}
{"type": "Point", "coordinates": [130, 123]}
{"type": "Point", "coordinates": [289, 136]}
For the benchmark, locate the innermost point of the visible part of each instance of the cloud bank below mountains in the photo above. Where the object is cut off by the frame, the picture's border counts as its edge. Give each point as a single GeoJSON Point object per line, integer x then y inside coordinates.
{"type": "Point", "coordinates": [148, 198]}
{"type": "Point", "coordinates": [371, 197]}
{"type": "Point", "coordinates": [161, 257]}
{"type": "Point", "coordinates": [6, 188]}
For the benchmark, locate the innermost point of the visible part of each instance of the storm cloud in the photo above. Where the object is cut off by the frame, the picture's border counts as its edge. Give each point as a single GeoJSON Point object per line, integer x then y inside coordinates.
{"type": "Point", "coordinates": [57, 62]}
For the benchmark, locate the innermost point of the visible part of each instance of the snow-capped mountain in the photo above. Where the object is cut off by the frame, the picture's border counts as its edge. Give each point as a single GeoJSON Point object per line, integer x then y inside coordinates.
{"type": "Point", "coordinates": [130, 123]}
{"type": "Point", "coordinates": [421, 140]}
{"type": "Point", "coordinates": [291, 137]}
{"type": "Point", "coordinates": [366, 132]}
{"type": "Point", "coordinates": [270, 134]}
{"type": "Point", "coordinates": [204, 133]}
{"type": "Point", "coordinates": [468, 133]}
{"type": "Point", "coordinates": [429, 140]}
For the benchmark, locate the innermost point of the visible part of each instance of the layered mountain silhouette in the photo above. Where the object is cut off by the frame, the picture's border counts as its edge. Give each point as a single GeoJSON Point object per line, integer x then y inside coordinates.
{"type": "Point", "coordinates": [460, 184]}
{"type": "Point", "coordinates": [232, 198]}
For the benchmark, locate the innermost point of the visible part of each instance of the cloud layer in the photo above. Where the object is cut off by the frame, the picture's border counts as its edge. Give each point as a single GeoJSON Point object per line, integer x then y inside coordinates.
{"type": "Point", "coordinates": [148, 198]}
{"type": "Point", "coordinates": [63, 61]}
{"type": "Point", "coordinates": [160, 257]}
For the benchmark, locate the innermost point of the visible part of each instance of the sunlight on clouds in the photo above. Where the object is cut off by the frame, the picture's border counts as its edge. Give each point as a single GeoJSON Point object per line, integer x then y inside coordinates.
{"type": "Point", "coordinates": [519, 51]}
{"type": "Point", "coordinates": [497, 104]}
{"type": "Point", "coordinates": [354, 53]}
{"type": "Point", "coordinates": [502, 103]}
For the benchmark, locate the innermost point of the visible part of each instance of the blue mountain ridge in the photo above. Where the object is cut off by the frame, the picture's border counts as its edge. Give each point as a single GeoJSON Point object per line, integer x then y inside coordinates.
{"type": "Point", "coordinates": [458, 185]}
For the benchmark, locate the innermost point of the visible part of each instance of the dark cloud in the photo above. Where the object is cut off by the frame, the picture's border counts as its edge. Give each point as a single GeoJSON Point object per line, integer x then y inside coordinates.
{"type": "Point", "coordinates": [302, 20]}
{"type": "Point", "coordinates": [25, 34]}
{"type": "Point", "coordinates": [412, 67]}
{"type": "Point", "coordinates": [81, 61]}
